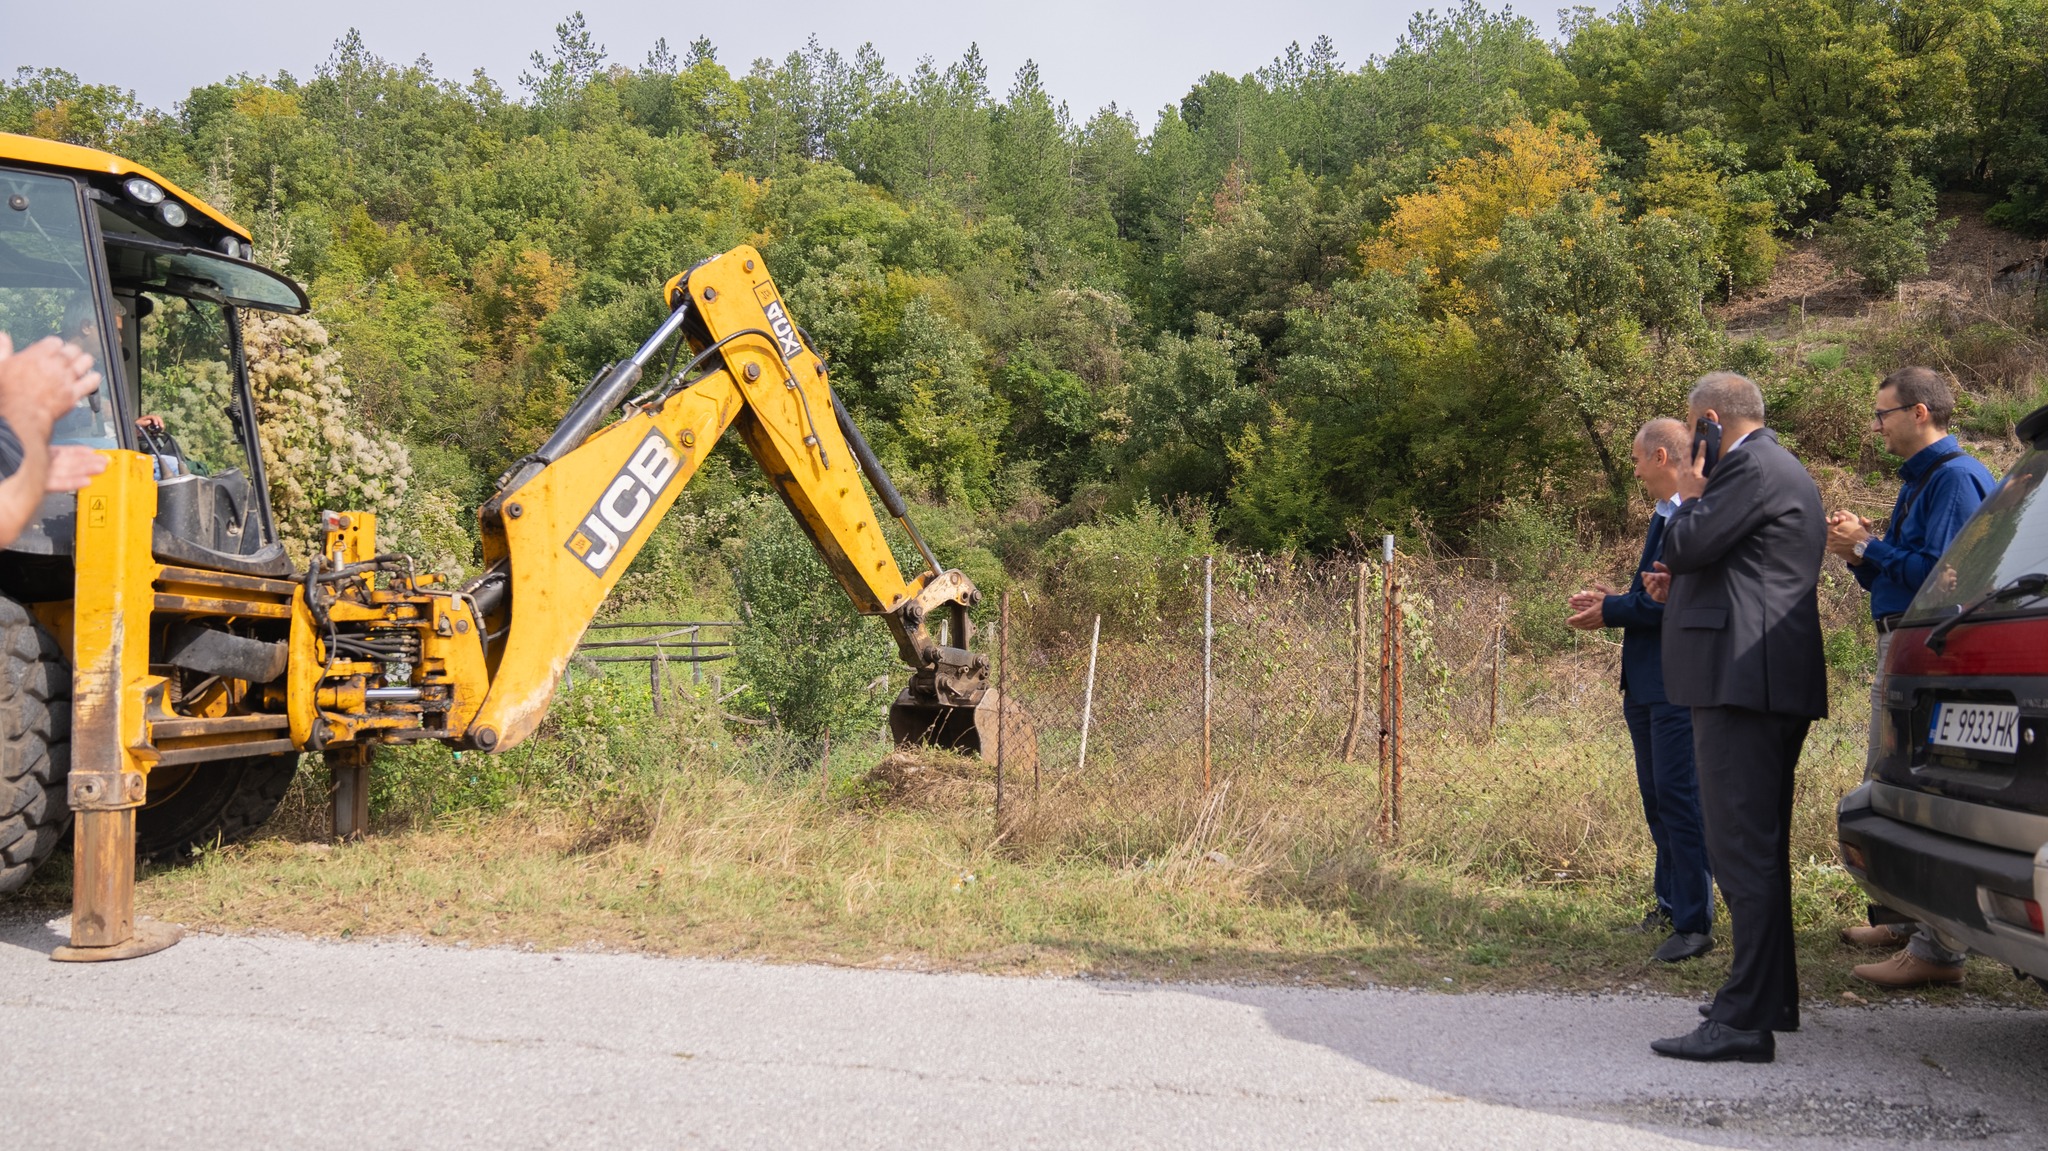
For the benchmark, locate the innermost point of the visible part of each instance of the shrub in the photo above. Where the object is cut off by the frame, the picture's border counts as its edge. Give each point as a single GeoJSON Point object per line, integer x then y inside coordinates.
{"type": "Point", "coordinates": [315, 451]}
{"type": "Point", "coordinates": [808, 659]}
{"type": "Point", "coordinates": [1824, 406]}
{"type": "Point", "coordinates": [1136, 570]}
{"type": "Point", "coordinates": [1531, 540]}
{"type": "Point", "coordinates": [1885, 237]}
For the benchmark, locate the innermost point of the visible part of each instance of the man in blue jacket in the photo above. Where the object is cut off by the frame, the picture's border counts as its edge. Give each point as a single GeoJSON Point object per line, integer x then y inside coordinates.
{"type": "Point", "coordinates": [1661, 730]}
{"type": "Point", "coordinates": [1940, 488]}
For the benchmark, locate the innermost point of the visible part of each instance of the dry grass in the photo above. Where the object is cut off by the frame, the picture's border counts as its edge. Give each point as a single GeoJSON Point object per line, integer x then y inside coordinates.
{"type": "Point", "coordinates": [1518, 862]}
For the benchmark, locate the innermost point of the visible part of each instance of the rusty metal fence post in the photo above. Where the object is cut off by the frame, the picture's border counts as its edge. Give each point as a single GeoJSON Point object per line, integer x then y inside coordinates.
{"type": "Point", "coordinates": [1002, 697]}
{"type": "Point", "coordinates": [1386, 689]}
{"type": "Point", "coordinates": [1208, 661]}
{"type": "Point", "coordinates": [654, 667]}
{"type": "Point", "coordinates": [1394, 624]}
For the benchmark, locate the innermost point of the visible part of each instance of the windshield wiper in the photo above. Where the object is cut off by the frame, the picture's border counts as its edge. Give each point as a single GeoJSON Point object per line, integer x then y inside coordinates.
{"type": "Point", "coordinates": [2020, 587]}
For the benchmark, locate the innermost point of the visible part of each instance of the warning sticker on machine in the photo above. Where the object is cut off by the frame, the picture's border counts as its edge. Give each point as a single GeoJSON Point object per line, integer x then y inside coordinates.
{"type": "Point", "coordinates": [625, 503]}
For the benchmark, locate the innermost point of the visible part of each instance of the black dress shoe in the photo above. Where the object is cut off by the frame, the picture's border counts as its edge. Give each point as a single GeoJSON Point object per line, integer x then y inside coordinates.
{"type": "Point", "coordinates": [1718, 1043]}
{"type": "Point", "coordinates": [1788, 1019]}
{"type": "Point", "coordinates": [1684, 945]}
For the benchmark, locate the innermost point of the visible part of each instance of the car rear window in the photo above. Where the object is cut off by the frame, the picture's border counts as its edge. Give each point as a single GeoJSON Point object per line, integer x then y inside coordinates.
{"type": "Point", "coordinates": [2006, 539]}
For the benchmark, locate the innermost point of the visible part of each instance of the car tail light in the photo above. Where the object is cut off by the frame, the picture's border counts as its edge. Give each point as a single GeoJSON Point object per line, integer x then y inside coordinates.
{"type": "Point", "coordinates": [1989, 647]}
{"type": "Point", "coordinates": [2014, 910]}
{"type": "Point", "coordinates": [1852, 857]}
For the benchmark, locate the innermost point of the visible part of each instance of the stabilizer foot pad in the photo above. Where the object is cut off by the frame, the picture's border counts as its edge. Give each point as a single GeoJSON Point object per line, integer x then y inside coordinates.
{"type": "Point", "coordinates": [150, 937]}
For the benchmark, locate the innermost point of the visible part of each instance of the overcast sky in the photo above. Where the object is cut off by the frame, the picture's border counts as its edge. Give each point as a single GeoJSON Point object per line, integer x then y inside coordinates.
{"type": "Point", "coordinates": [1142, 54]}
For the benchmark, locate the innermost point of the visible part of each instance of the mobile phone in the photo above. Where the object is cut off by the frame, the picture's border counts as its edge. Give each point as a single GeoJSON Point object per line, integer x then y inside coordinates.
{"type": "Point", "coordinates": [1706, 438]}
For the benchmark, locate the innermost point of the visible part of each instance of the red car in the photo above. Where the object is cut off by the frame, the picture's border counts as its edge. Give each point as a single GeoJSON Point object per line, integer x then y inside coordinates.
{"type": "Point", "coordinates": [1950, 825]}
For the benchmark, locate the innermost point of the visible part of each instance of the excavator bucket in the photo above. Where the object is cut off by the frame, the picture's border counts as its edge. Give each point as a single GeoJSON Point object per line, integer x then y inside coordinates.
{"type": "Point", "coordinates": [978, 730]}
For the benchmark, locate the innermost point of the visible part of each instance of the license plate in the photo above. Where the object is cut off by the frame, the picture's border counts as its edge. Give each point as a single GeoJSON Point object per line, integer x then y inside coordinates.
{"type": "Point", "coordinates": [1992, 727]}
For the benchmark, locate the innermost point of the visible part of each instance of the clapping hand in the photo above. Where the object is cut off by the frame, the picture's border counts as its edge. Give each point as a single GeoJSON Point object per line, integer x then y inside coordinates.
{"type": "Point", "coordinates": [42, 382]}
{"type": "Point", "coordinates": [1845, 531]}
{"type": "Point", "coordinates": [1586, 607]}
{"type": "Point", "coordinates": [1657, 582]}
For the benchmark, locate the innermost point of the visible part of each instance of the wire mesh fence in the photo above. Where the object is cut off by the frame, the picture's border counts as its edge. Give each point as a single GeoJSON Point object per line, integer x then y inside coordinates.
{"type": "Point", "coordinates": [1252, 665]}
{"type": "Point", "coordinates": [656, 643]}
{"type": "Point", "coordinates": [1393, 664]}
{"type": "Point", "coordinates": [1394, 675]}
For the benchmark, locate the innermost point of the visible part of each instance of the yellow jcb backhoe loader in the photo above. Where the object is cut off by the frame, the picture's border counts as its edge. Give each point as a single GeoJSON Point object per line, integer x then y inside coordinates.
{"type": "Point", "coordinates": [165, 665]}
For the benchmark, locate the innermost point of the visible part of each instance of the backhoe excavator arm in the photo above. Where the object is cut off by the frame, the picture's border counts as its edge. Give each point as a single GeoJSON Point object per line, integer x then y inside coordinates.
{"type": "Point", "coordinates": [362, 649]}
{"type": "Point", "coordinates": [568, 520]}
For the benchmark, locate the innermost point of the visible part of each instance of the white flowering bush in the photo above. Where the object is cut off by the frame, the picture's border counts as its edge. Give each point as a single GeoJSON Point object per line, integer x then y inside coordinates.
{"type": "Point", "coordinates": [316, 451]}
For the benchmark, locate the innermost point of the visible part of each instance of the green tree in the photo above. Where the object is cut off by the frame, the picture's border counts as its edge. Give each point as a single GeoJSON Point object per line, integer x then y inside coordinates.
{"type": "Point", "coordinates": [1581, 300]}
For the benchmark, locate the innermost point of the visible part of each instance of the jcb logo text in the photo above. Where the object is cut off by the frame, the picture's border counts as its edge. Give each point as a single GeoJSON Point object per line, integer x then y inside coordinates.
{"type": "Point", "coordinates": [625, 502]}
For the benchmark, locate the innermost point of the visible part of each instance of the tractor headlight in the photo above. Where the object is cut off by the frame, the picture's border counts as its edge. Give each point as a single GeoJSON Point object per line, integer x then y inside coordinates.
{"type": "Point", "coordinates": [172, 213]}
{"type": "Point", "coordinates": [142, 191]}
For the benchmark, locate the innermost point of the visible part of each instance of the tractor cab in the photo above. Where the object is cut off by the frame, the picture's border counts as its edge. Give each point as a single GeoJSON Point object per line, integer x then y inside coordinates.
{"type": "Point", "coordinates": [151, 281]}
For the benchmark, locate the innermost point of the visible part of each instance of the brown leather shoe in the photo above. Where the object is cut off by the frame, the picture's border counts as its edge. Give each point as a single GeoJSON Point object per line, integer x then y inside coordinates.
{"type": "Point", "coordinates": [1907, 970]}
{"type": "Point", "coordinates": [1883, 936]}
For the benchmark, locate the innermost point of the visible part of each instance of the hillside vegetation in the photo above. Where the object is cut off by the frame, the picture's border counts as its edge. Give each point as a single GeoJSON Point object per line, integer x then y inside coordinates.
{"type": "Point", "coordinates": [1319, 300]}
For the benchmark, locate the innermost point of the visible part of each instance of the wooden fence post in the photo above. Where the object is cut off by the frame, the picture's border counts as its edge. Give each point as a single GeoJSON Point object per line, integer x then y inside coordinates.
{"type": "Point", "coordinates": [1002, 698]}
{"type": "Point", "coordinates": [1394, 598]}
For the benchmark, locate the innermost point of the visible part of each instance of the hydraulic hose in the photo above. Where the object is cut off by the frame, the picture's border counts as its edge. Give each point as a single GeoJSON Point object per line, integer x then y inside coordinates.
{"type": "Point", "coordinates": [598, 400]}
{"type": "Point", "coordinates": [878, 478]}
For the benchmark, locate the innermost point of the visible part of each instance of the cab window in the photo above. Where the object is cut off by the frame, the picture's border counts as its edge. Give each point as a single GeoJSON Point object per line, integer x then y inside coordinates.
{"type": "Point", "coordinates": [46, 287]}
{"type": "Point", "coordinates": [187, 417]}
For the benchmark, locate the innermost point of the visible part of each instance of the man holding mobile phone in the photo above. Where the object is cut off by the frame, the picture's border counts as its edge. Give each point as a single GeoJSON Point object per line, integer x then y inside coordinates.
{"type": "Point", "coordinates": [1742, 648]}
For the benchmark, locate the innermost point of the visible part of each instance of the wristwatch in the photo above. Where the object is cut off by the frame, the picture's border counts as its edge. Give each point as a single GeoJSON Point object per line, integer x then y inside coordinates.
{"type": "Point", "coordinates": [1862, 545]}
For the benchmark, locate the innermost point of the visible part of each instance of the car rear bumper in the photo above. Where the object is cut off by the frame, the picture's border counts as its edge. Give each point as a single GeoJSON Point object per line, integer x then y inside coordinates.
{"type": "Point", "coordinates": [1946, 881]}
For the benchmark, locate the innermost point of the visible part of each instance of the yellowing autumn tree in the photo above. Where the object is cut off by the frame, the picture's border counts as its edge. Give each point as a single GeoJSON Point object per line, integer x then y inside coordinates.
{"type": "Point", "coordinates": [1456, 222]}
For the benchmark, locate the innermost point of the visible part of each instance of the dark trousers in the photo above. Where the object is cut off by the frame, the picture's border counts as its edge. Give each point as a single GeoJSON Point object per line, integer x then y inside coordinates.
{"type": "Point", "coordinates": [1662, 733]}
{"type": "Point", "coordinates": [1746, 759]}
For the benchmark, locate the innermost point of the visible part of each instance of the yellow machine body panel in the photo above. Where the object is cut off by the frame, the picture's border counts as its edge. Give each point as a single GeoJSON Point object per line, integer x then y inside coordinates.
{"type": "Point", "coordinates": [111, 606]}
{"type": "Point", "coordinates": [570, 534]}
{"type": "Point", "coordinates": [56, 154]}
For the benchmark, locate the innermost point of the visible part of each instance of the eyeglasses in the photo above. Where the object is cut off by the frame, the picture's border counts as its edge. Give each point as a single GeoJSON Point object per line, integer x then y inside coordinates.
{"type": "Point", "coordinates": [1877, 416]}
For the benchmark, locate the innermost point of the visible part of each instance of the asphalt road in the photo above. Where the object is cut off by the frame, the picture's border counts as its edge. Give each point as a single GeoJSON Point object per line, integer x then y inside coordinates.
{"type": "Point", "coordinates": [275, 1042]}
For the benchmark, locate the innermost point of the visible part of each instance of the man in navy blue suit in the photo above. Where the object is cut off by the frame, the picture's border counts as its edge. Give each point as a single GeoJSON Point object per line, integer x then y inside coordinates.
{"type": "Point", "coordinates": [1661, 730]}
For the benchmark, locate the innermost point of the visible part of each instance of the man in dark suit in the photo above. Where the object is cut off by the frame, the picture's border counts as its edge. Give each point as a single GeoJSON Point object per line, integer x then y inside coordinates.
{"type": "Point", "coordinates": [1742, 648]}
{"type": "Point", "coordinates": [1660, 730]}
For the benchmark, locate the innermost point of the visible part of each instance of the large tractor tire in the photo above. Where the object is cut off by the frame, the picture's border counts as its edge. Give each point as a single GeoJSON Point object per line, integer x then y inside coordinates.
{"type": "Point", "coordinates": [35, 744]}
{"type": "Point", "coordinates": [210, 804]}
